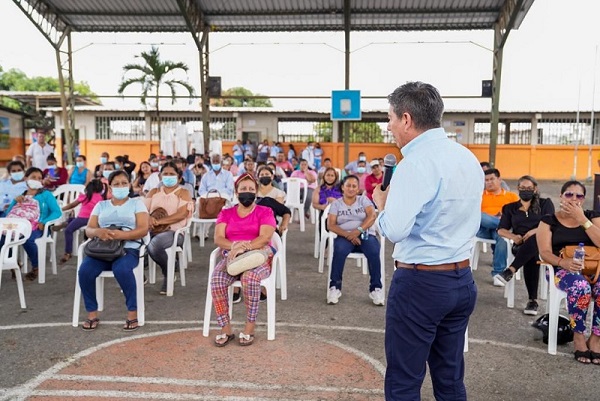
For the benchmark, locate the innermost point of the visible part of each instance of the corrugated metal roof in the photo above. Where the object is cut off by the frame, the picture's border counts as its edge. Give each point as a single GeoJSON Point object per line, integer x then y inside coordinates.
{"type": "Point", "coordinates": [276, 15]}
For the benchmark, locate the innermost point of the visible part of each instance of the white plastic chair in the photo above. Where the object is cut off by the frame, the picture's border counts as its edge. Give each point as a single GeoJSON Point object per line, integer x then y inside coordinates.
{"type": "Point", "coordinates": [139, 283]}
{"type": "Point", "coordinates": [16, 232]}
{"type": "Point", "coordinates": [478, 243]}
{"type": "Point", "coordinates": [201, 226]}
{"type": "Point", "coordinates": [172, 255]}
{"type": "Point", "coordinates": [269, 283]}
{"type": "Point", "coordinates": [509, 289]}
{"type": "Point", "coordinates": [555, 297]}
{"type": "Point", "coordinates": [297, 192]}
{"type": "Point", "coordinates": [359, 256]}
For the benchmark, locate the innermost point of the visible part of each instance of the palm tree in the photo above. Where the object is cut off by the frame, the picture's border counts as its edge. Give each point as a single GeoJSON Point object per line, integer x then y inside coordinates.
{"type": "Point", "coordinates": [154, 73]}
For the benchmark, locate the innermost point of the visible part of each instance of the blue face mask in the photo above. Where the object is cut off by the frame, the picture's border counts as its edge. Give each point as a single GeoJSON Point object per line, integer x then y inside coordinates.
{"type": "Point", "coordinates": [79, 164]}
{"type": "Point", "coordinates": [117, 166]}
{"type": "Point", "coordinates": [169, 180]}
{"type": "Point", "coordinates": [51, 167]}
{"type": "Point", "coordinates": [107, 173]}
{"type": "Point", "coordinates": [216, 167]}
{"type": "Point", "coordinates": [120, 193]}
{"type": "Point", "coordinates": [154, 164]}
{"type": "Point", "coordinates": [103, 160]}
{"type": "Point", "coordinates": [17, 175]}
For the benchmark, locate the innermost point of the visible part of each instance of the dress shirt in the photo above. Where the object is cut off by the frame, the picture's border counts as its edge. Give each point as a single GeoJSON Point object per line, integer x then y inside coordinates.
{"type": "Point", "coordinates": [433, 210]}
{"type": "Point", "coordinates": [222, 182]}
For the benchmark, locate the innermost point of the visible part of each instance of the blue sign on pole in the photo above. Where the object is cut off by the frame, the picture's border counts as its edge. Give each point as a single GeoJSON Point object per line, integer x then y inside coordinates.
{"type": "Point", "coordinates": [345, 105]}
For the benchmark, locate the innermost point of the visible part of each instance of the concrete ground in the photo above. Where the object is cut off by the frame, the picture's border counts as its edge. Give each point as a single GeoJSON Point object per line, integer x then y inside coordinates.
{"type": "Point", "coordinates": [321, 352]}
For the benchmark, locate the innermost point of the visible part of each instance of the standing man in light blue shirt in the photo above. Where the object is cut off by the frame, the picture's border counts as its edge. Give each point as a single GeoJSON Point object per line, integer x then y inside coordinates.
{"type": "Point", "coordinates": [217, 179]}
{"type": "Point", "coordinates": [432, 215]}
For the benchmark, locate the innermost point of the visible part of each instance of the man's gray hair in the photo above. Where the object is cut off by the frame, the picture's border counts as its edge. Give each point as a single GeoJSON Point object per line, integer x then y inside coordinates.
{"type": "Point", "coordinates": [422, 101]}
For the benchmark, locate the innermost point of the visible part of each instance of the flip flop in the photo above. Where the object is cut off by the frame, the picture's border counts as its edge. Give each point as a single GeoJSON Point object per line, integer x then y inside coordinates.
{"type": "Point", "coordinates": [223, 336]}
{"type": "Point", "coordinates": [246, 339]}
{"type": "Point", "coordinates": [583, 354]}
{"type": "Point", "coordinates": [129, 325]}
{"type": "Point", "coordinates": [92, 324]}
{"type": "Point", "coordinates": [595, 356]}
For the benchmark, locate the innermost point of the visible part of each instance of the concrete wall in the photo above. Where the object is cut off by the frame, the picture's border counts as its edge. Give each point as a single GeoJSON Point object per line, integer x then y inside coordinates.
{"type": "Point", "coordinates": [16, 144]}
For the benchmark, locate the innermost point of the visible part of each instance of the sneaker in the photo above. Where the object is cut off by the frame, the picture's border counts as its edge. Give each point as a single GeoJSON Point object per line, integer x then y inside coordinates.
{"type": "Point", "coordinates": [498, 282]}
{"type": "Point", "coordinates": [377, 296]}
{"type": "Point", "coordinates": [263, 297]}
{"type": "Point", "coordinates": [333, 296]}
{"type": "Point", "coordinates": [505, 276]}
{"type": "Point", "coordinates": [531, 308]}
{"type": "Point", "coordinates": [237, 297]}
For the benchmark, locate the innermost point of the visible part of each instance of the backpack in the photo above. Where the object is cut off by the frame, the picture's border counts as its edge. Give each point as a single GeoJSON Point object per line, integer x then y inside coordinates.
{"type": "Point", "coordinates": [28, 209]}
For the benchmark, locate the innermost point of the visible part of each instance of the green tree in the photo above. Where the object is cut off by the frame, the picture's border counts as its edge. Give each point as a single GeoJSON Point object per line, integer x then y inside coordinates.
{"type": "Point", "coordinates": [153, 74]}
{"type": "Point", "coordinates": [243, 102]}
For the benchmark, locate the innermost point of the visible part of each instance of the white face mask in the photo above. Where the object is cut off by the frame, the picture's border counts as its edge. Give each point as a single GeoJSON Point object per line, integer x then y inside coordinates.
{"type": "Point", "coordinates": [34, 184]}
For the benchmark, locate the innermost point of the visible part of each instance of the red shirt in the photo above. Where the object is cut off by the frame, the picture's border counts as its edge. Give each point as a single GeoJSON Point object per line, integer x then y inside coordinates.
{"type": "Point", "coordinates": [370, 183]}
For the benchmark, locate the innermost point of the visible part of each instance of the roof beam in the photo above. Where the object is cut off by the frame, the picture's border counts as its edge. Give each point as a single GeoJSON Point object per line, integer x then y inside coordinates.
{"type": "Point", "coordinates": [46, 19]}
{"type": "Point", "coordinates": [340, 11]}
{"type": "Point", "coordinates": [194, 19]}
{"type": "Point", "coordinates": [507, 18]}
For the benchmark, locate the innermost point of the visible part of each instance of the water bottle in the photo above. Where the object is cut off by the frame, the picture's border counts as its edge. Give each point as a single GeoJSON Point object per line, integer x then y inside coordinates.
{"type": "Point", "coordinates": [579, 254]}
{"type": "Point", "coordinates": [5, 202]}
{"type": "Point", "coordinates": [364, 235]}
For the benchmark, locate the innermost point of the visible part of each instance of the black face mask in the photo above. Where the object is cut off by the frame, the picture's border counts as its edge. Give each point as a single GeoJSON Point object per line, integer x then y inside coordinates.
{"type": "Point", "coordinates": [526, 195]}
{"type": "Point", "coordinates": [265, 180]}
{"type": "Point", "coordinates": [246, 198]}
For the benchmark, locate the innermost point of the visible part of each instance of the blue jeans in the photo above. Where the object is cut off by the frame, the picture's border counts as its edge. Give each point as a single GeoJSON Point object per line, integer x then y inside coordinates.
{"type": "Point", "coordinates": [342, 248]}
{"type": "Point", "coordinates": [30, 247]}
{"type": "Point", "coordinates": [426, 318]}
{"type": "Point", "coordinates": [122, 269]}
{"type": "Point", "coordinates": [489, 230]}
{"type": "Point", "coordinates": [74, 225]}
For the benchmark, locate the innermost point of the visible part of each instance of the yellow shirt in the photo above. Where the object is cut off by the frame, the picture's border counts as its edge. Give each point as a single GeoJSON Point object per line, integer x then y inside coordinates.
{"type": "Point", "coordinates": [492, 204]}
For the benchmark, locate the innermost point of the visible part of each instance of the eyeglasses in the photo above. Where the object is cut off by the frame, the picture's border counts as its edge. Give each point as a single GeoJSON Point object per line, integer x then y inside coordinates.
{"type": "Point", "coordinates": [570, 195]}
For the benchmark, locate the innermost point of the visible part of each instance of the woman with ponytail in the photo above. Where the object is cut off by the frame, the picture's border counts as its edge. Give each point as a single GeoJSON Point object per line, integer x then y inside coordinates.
{"type": "Point", "coordinates": [519, 223]}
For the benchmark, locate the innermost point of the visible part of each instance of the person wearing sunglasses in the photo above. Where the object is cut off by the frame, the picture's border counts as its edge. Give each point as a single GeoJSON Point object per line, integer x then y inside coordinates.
{"type": "Point", "coordinates": [492, 201]}
{"type": "Point", "coordinates": [519, 223]}
{"type": "Point", "coordinates": [572, 225]}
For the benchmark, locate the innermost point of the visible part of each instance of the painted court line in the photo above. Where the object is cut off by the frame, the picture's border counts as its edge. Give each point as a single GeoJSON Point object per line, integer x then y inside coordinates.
{"type": "Point", "coordinates": [151, 396]}
{"type": "Point", "coordinates": [208, 383]}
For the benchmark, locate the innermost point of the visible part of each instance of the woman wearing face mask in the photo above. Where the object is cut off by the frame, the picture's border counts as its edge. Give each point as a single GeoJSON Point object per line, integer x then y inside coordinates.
{"type": "Point", "coordinates": [54, 176]}
{"type": "Point", "coordinates": [266, 188]}
{"type": "Point", "coordinates": [179, 206]}
{"type": "Point", "coordinates": [519, 222]}
{"type": "Point", "coordinates": [39, 207]}
{"type": "Point", "coordinates": [244, 227]}
{"type": "Point", "coordinates": [131, 216]}
{"type": "Point", "coordinates": [13, 186]}
{"type": "Point", "coordinates": [361, 173]}
{"type": "Point", "coordinates": [80, 174]}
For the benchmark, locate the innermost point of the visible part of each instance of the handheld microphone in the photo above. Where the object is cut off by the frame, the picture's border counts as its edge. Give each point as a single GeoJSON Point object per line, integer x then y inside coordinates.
{"type": "Point", "coordinates": [389, 162]}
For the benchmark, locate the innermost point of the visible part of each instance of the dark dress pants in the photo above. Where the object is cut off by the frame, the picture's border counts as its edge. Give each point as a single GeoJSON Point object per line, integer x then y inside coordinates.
{"type": "Point", "coordinates": [426, 318]}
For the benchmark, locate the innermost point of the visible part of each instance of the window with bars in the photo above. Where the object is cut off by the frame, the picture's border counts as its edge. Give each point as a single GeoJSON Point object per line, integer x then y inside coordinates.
{"type": "Point", "coordinates": [132, 128]}
{"type": "Point", "coordinates": [322, 131]}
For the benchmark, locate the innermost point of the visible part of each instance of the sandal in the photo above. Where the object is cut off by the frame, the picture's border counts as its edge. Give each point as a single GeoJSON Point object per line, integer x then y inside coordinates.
{"type": "Point", "coordinates": [92, 324]}
{"type": "Point", "coordinates": [595, 356]}
{"type": "Point", "coordinates": [246, 339]}
{"type": "Point", "coordinates": [65, 258]}
{"type": "Point", "coordinates": [583, 354]}
{"type": "Point", "coordinates": [223, 336]}
{"type": "Point", "coordinates": [131, 325]}
{"type": "Point", "coordinates": [32, 275]}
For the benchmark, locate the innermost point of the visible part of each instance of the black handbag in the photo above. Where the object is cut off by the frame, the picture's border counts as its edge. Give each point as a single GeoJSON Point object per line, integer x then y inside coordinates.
{"type": "Point", "coordinates": [109, 250]}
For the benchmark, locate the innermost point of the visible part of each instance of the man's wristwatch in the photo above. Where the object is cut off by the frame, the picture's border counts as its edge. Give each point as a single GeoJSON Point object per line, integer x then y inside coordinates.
{"type": "Point", "coordinates": [360, 229]}
{"type": "Point", "coordinates": [587, 225]}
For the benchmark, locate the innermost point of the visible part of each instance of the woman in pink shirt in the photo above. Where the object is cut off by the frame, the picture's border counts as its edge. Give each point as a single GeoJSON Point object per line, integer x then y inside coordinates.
{"type": "Point", "coordinates": [95, 191]}
{"type": "Point", "coordinates": [244, 227]}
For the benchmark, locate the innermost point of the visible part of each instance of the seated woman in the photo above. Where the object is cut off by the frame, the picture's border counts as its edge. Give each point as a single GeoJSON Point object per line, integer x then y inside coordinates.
{"type": "Point", "coordinates": [54, 176]}
{"type": "Point", "coordinates": [519, 222]}
{"type": "Point", "coordinates": [572, 225]}
{"type": "Point", "coordinates": [131, 216]}
{"type": "Point", "coordinates": [328, 191]}
{"type": "Point", "coordinates": [351, 218]}
{"type": "Point", "coordinates": [80, 174]}
{"type": "Point", "coordinates": [178, 204]}
{"type": "Point", "coordinates": [266, 188]}
{"type": "Point", "coordinates": [142, 175]}
{"type": "Point", "coordinates": [246, 226]}
{"type": "Point", "coordinates": [39, 207]}
{"type": "Point", "coordinates": [12, 186]}
{"type": "Point", "coordinates": [94, 193]}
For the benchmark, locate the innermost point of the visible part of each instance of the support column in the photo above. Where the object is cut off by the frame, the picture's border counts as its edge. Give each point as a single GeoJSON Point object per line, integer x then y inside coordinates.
{"type": "Point", "coordinates": [64, 60]}
{"type": "Point", "coordinates": [205, 100]}
{"type": "Point", "coordinates": [345, 125]}
{"type": "Point", "coordinates": [496, 78]}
